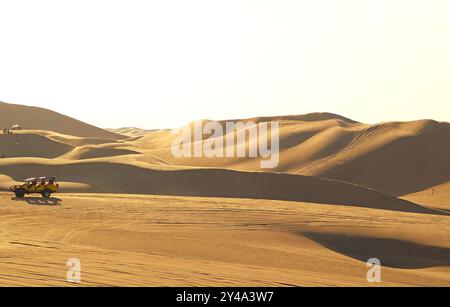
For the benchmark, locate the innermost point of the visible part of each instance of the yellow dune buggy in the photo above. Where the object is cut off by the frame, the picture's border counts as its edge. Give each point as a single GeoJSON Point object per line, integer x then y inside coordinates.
{"type": "Point", "coordinates": [36, 185]}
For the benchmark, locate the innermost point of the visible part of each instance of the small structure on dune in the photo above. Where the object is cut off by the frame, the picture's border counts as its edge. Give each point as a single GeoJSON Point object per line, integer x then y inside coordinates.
{"type": "Point", "coordinates": [16, 127]}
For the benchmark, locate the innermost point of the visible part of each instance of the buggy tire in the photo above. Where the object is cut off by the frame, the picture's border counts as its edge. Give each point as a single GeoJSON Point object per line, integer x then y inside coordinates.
{"type": "Point", "coordinates": [20, 193]}
{"type": "Point", "coordinates": [46, 193]}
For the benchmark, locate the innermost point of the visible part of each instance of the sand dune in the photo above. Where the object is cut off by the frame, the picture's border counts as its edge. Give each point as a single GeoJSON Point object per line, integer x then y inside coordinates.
{"type": "Point", "coordinates": [31, 145]}
{"type": "Point", "coordinates": [71, 140]}
{"type": "Point", "coordinates": [108, 178]}
{"type": "Point", "coordinates": [168, 241]}
{"type": "Point", "coordinates": [130, 131]}
{"type": "Point", "coordinates": [310, 117]}
{"type": "Point", "coordinates": [49, 144]}
{"type": "Point", "coordinates": [395, 253]}
{"type": "Point", "coordinates": [404, 164]}
{"type": "Point", "coordinates": [154, 219]}
{"type": "Point", "coordinates": [42, 119]}
{"type": "Point", "coordinates": [100, 151]}
{"type": "Point", "coordinates": [396, 158]}
{"type": "Point", "coordinates": [6, 182]}
{"type": "Point", "coordinates": [437, 197]}
{"type": "Point", "coordinates": [369, 158]}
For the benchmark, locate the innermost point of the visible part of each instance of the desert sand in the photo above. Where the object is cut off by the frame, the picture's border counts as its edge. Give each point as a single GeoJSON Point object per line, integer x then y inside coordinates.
{"type": "Point", "coordinates": [133, 214]}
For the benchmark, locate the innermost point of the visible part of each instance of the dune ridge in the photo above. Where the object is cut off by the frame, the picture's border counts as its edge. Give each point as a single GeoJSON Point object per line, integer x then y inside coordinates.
{"type": "Point", "coordinates": [396, 158]}
{"type": "Point", "coordinates": [42, 119]}
{"type": "Point", "coordinates": [103, 177]}
{"type": "Point", "coordinates": [383, 157]}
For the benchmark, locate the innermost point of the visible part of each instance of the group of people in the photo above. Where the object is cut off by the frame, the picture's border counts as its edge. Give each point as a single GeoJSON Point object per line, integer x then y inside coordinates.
{"type": "Point", "coordinates": [44, 181]}
{"type": "Point", "coordinates": [6, 131]}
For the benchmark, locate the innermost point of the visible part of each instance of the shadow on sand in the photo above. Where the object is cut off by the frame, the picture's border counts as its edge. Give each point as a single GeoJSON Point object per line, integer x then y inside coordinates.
{"type": "Point", "coordinates": [40, 201]}
{"type": "Point", "coordinates": [391, 252]}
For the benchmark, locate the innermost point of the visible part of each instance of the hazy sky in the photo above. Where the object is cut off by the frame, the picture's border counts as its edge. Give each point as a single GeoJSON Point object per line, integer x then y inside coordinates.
{"type": "Point", "coordinates": [164, 63]}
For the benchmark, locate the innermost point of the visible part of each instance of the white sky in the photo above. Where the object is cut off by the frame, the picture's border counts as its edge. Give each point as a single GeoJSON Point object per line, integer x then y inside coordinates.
{"type": "Point", "coordinates": [157, 64]}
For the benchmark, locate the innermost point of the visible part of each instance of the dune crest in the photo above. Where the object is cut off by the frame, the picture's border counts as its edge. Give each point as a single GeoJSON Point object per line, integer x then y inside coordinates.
{"type": "Point", "coordinates": [101, 177]}
{"type": "Point", "coordinates": [42, 119]}
{"type": "Point", "coordinates": [387, 157]}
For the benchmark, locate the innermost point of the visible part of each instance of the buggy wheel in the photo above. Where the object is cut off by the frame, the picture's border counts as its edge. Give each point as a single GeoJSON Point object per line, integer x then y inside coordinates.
{"type": "Point", "coordinates": [20, 193]}
{"type": "Point", "coordinates": [46, 193]}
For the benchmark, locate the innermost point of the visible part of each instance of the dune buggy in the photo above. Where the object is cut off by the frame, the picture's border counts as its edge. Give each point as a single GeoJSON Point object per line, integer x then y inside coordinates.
{"type": "Point", "coordinates": [36, 185]}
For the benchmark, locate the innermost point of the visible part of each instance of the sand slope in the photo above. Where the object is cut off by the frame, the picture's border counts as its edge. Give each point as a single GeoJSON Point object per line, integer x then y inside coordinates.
{"type": "Point", "coordinates": [385, 157]}
{"type": "Point", "coordinates": [184, 241]}
{"type": "Point", "coordinates": [130, 131]}
{"type": "Point", "coordinates": [120, 178]}
{"type": "Point", "coordinates": [31, 145]}
{"type": "Point", "coordinates": [437, 197]}
{"type": "Point", "coordinates": [42, 119]}
{"type": "Point", "coordinates": [315, 219]}
{"type": "Point", "coordinates": [396, 158]}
